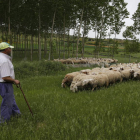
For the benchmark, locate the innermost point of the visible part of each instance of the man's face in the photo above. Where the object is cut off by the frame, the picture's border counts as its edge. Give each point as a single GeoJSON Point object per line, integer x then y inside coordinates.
{"type": "Point", "coordinates": [8, 51]}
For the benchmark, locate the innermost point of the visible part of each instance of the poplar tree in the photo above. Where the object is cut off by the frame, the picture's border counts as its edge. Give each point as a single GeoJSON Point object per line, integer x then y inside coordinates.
{"type": "Point", "coordinates": [136, 19]}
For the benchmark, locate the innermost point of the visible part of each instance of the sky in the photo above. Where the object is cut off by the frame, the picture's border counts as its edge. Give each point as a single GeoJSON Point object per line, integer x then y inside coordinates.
{"type": "Point", "coordinates": [131, 7]}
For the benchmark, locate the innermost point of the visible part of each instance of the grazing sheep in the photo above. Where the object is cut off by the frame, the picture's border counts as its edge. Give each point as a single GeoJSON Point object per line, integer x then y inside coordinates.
{"type": "Point", "coordinates": [113, 65]}
{"type": "Point", "coordinates": [102, 70]}
{"type": "Point", "coordinates": [113, 76]}
{"type": "Point", "coordinates": [127, 74]}
{"type": "Point", "coordinates": [97, 68]}
{"type": "Point", "coordinates": [106, 65]}
{"type": "Point", "coordinates": [118, 76]}
{"type": "Point", "coordinates": [116, 68]}
{"type": "Point", "coordinates": [99, 77]}
{"type": "Point", "coordinates": [91, 81]}
{"type": "Point", "coordinates": [75, 80]}
{"type": "Point", "coordinates": [100, 81]}
{"type": "Point", "coordinates": [137, 75]}
{"type": "Point", "coordinates": [96, 61]}
{"type": "Point", "coordinates": [86, 71]}
{"type": "Point", "coordinates": [67, 61]}
{"type": "Point", "coordinates": [68, 78]}
{"type": "Point", "coordinates": [94, 71]}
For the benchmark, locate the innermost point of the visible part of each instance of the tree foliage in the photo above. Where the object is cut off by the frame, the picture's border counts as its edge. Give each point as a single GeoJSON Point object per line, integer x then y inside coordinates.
{"type": "Point", "coordinates": [46, 18]}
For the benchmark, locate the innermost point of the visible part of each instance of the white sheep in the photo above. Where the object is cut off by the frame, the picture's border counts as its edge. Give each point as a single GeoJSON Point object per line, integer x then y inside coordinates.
{"type": "Point", "coordinates": [113, 76]}
{"type": "Point", "coordinates": [127, 74]}
{"type": "Point", "coordinates": [75, 80]}
{"type": "Point", "coordinates": [68, 78]}
{"type": "Point", "coordinates": [116, 68]}
{"type": "Point", "coordinates": [137, 75]}
{"type": "Point", "coordinates": [94, 71]}
{"type": "Point", "coordinates": [86, 71]}
{"type": "Point", "coordinates": [91, 81]}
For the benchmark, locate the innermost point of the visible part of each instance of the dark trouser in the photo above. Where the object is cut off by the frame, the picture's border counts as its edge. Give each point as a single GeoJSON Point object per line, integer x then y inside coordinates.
{"type": "Point", "coordinates": [8, 105]}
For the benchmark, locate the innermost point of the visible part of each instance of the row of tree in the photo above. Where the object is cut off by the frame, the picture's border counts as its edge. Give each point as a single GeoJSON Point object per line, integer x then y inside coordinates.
{"type": "Point", "coordinates": [44, 18]}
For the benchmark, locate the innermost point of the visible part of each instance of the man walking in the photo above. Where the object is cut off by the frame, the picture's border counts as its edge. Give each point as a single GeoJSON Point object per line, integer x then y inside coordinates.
{"type": "Point", "coordinates": [7, 78]}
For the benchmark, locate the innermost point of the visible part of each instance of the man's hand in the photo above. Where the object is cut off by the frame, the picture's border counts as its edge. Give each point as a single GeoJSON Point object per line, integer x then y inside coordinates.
{"type": "Point", "coordinates": [17, 83]}
{"type": "Point", "coordinates": [9, 79]}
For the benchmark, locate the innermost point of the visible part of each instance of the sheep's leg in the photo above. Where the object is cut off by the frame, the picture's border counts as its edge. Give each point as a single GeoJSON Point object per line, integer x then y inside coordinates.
{"type": "Point", "coordinates": [121, 79]}
{"type": "Point", "coordinates": [93, 87]}
{"type": "Point", "coordinates": [63, 85]}
{"type": "Point", "coordinates": [107, 84]}
{"type": "Point", "coordinates": [75, 87]}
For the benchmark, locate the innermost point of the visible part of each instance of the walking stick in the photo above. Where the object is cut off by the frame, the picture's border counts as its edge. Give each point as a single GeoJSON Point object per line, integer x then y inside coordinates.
{"type": "Point", "coordinates": [25, 99]}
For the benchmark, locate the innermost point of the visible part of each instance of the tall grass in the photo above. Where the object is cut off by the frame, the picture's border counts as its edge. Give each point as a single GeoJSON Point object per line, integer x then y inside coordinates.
{"type": "Point", "coordinates": [105, 114]}
{"type": "Point", "coordinates": [108, 113]}
{"type": "Point", "coordinates": [26, 69]}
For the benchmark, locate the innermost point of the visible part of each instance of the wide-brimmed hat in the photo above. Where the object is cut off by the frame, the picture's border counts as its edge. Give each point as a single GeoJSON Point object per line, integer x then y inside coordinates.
{"type": "Point", "coordinates": [4, 45]}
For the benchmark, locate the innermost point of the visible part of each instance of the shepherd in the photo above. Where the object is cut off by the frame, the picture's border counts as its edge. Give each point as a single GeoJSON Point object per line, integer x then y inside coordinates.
{"type": "Point", "coordinates": [9, 107]}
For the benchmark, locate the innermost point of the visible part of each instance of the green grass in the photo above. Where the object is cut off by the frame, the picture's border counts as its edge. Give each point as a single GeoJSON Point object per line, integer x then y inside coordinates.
{"type": "Point", "coordinates": [111, 113]}
{"type": "Point", "coordinates": [107, 113]}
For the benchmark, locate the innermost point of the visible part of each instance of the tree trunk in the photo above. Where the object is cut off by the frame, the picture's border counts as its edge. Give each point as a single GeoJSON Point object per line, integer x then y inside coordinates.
{"type": "Point", "coordinates": [109, 44]}
{"type": "Point", "coordinates": [9, 32]}
{"type": "Point", "coordinates": [22, 42]}
{"type": "Point", "coordinates": [25, 49]}
{"type": "Point", "coordinates": [68, 43]}
{"type": "Point", "coordinates": [59, 44]}
{"type": "Point", "coordinates": [114, 47]}
{"type": "Point", "coordinates": [32, 47]}
{"type": "Point", "coordinates": [15, 40]}
{"type": "Point", "coordinates": [79, 32]}
{"type": "Point", "coordinates": [50, 49]}
{"type": "Point", "coordinates": [19, 42]}
{"type": "Point", "coordinates": [39, 43]}
{"type": "Point", "coordinates": [129, 58]}
{"type": "Point", "coordinates": [83, 44]}
{"type": "Point", "coordinates": [45, 47]}
{"type": "Point", "coordinates": [64, 40]}
{"type": "Point", "coordinates": [5, 39]}
{"type": "Point", "coordinates": [2, 32]}
{"type": "Point", "coordinates": [83, 40]}
{"type": "Point", "coordinates": [74, 43]}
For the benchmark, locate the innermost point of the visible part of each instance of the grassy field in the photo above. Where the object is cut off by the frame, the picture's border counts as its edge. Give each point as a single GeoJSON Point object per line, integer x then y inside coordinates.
{"type": "Point", "coordinates": [106, 114]}
{"type": "Point", "coordinates": [111, 113]}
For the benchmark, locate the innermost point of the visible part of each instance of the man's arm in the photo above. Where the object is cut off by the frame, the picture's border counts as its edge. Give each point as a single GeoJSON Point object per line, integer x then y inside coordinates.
{"type": "Point", "coordinates": [9, 79]}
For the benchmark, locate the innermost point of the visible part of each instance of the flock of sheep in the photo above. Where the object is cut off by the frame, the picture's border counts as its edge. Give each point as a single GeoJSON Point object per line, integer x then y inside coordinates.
{"type": "Point", "coordinates": [94, 61]}
{"type": "Point", "coordinates": [99, 77]}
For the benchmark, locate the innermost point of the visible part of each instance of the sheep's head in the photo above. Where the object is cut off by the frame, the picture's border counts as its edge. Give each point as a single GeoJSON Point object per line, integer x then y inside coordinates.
{"type": "Point", "coordinates": [66, 81]}
{"type": "Point", "coordinates": [63, 85]}
{"type": "Point", "coordinates": [111, 68]}
{"type": "Point", "coordinates": [138, 66]}
{"type": "Point", "coordinates": [136, 75]}
{"type": "Point", "coordinates": [132, 71]}
{"type": "Point", "coordinates": [93, 73]}
{"type": "Point", "coordinates": [121, 68]}
{"type": "Point", "coordinates": [75, 88]}
{"type": "Point", "coordinates": [86, 81]}
{"type": "Point", "coordinates": [85, 72]}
